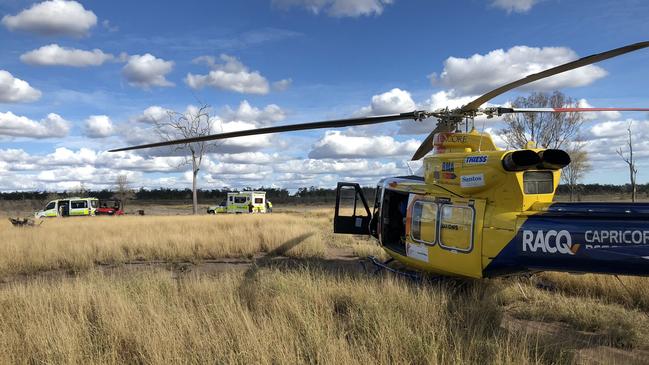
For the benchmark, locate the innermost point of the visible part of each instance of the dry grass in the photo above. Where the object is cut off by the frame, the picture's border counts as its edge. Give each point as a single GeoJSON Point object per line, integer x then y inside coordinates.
{"type": "Point", "coordinates": [78, 243]}
{"type": "Point", "coordinates": [267, 316]}
{"type": "Point", "coordinates": [619, 326]}
{"type": "Point", "coordinates": [310, 313]}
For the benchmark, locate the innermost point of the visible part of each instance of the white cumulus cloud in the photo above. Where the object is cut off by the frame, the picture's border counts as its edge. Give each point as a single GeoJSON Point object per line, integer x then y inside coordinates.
{"type": "Point", "coordinates": [98, 126]}
{"type": "Point", "coordinates": [15, 90]}
{"type": "Point", "coordinates": [54, 17]}
{"type": "Point", "coordinates": [480, 73]}
{"type": "Point", "coordinates": [337, 8]}
{"type": "Point", "coordinates": [19, 126]}
{"type": "Point", "coordinates": [231, 75]}
{"type": "Point", "coordinates": [271, 113]}
{"type": "Point", "coordinates": [153, 114]}
{"type": "Point", "coordinates": [55, 55]}
{"type": "Point", "coordinates": [146, 71]}
{"type": "Point", "coordinates": [335, 144]}
{"type": "Point", "coordinates": [390, 102]}
{"type": "Point", "coordinates": [514, 6]}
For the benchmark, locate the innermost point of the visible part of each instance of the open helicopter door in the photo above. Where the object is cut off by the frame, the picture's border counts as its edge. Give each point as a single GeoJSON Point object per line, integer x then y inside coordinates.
{"type": "Point", "coordinates": [350, 217]}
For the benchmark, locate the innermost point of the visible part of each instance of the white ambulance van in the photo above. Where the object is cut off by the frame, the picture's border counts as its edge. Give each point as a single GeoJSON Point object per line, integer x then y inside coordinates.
{"type": "Point", "coordinates": [241, 202]}
{"type": "Point", "coordinates": [70, 207]}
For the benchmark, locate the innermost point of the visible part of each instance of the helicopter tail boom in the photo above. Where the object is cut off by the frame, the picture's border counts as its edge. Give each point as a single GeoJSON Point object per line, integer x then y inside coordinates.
{"type": "Point", "coordinates": [611, 238]}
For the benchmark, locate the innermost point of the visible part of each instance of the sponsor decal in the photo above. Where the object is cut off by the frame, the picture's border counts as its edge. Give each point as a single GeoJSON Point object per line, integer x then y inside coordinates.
{"type": "Point", "coordinates": [472, 181]}
{"type": "Point", "coordinates": [603, 239]}
{"type": "Point", "coordinates": [417, 252]}
{"type": "Point", "coordinates": [448, 166]}
{"type": "Point", "coordinates": [454, 138]}
{"type": "Point", "coordinates": [453, 227]}
{"type": "Point", "coordinates": [476, 160]}
{"type": "Point", "coordinates": [448, 171]}
{"type": "Point", "coordinates": [548, 242]}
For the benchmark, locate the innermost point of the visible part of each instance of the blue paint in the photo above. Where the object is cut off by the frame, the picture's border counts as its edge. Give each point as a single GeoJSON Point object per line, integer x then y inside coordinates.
{"type": "Point", "coordinates": [580, 237]}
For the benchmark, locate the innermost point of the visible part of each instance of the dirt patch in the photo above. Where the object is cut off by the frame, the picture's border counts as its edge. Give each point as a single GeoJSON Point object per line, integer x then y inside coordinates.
{"type": "Point", "coordinates": [341, 260]}
{"type": "Point", "coordinates": [588, 347]}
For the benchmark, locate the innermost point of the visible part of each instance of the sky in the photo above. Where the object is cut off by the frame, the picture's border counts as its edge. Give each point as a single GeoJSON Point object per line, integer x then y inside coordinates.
{"type": "Point", "coordinates": [79, 78]}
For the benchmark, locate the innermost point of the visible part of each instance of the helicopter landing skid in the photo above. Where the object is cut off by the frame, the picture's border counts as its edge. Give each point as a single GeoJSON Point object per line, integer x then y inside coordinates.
{"type": "Point", "coordinates": [383, 265]}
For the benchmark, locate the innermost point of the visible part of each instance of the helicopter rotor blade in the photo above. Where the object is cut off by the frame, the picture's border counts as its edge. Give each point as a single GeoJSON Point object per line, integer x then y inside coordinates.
{"type": "Point", "coordinates": [501, 111]}
{"type": "Point", "coordinates": [415, 115]}
{"type": "Point", "coordinates": [473, 106]}
{"type": "Point", "coordinates": [584, 61]}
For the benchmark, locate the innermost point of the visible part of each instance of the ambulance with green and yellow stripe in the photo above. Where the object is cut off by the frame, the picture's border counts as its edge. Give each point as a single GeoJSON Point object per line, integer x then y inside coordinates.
{"type": "Point", "coordinates": [69, 207]}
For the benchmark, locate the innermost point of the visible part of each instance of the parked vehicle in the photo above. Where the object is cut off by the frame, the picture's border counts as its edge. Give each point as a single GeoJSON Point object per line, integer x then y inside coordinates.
{"type": "Point", "coordinates": [110, 207]}
{"type": "Point", "coordinates": [72, 207]}
{"type": "Point", "coordinates": [241, 202]}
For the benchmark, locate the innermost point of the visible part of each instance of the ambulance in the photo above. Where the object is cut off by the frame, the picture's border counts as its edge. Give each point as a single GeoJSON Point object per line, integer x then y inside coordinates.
{"type": "Point", "coordinates": [240, 202]}
{"type": "Point", "coordinates": [69, 207]}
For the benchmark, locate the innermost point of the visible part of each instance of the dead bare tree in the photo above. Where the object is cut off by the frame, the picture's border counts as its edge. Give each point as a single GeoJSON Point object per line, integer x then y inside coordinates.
{"type": "Point", "coordinates": [578, 167]}
{"type": "Point", "coordinates": [547, 130]}
{"type": "Point", "coordinates": [123, 190]}
{"type": "Point", "coordinates": [195, 122]}
{"type": "Point", "coordinates": [628, 158]}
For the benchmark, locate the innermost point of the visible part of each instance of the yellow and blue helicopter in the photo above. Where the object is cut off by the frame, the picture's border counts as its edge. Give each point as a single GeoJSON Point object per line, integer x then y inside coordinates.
{"type": "Point", "coordinates": [479, 211]}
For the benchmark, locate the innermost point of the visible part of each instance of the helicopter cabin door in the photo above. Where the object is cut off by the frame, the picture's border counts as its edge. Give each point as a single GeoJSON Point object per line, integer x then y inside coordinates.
{"type": "Point", "coordinates": [352, 215]}
{"type": "Point", "coordinates": [445, 234]}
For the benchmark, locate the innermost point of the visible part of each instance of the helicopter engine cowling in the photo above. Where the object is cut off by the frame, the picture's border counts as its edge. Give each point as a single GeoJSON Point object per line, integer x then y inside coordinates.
{"type": "Point", "coordinates": [521, 160]}
{"type": "Point", "coordinates": [553, 159]}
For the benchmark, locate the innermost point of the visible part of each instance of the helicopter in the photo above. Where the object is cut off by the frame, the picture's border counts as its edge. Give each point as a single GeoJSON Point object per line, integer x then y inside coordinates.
{"type": "Point", "coordinates": [479, 211]}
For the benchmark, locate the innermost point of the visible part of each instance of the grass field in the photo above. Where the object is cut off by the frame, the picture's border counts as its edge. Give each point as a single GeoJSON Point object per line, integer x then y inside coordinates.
{"type": "Point", "coordinates": [282, 288]}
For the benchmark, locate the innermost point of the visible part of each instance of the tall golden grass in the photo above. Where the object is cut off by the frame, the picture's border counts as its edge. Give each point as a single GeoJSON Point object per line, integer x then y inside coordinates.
{"type": "Point", "coordinates": [305, 313]}
{"type": "Point", "coordinates": [268, 316]}
{"type": "Point", "coordinates": [79, 243]}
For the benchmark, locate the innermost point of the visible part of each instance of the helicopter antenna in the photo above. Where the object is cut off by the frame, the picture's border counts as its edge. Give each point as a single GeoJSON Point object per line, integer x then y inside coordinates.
{"type": "Point", "coordinates": [410, 170]}
{"type": "Point", "coordinates": [484, 123]}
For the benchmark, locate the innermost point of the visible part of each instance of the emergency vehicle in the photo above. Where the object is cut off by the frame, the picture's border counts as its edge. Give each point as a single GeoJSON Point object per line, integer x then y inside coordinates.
{"type": "Point", "coordinates": [72, 207]}
{"type": "Point", "coordinates": [239, 202]}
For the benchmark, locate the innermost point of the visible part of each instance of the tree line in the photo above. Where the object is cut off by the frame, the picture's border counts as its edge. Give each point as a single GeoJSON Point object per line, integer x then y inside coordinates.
{"type": "Point", "coordinates": [303, 195]}
{"type": "Point", "coordinates": [277, 195]}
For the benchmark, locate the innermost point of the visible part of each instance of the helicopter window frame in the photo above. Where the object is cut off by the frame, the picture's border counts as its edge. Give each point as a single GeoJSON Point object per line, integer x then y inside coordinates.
{"type": "Point", "coordinates": [533, 181]}
{"type": "Point", "coordinates": [472, 228]}
{"type": "Point", "coordinates": [436, 222]}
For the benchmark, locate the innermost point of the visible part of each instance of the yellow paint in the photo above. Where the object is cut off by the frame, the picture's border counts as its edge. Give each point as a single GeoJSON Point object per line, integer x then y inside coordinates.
{"type": "Point", "coordinates": [466, 171]}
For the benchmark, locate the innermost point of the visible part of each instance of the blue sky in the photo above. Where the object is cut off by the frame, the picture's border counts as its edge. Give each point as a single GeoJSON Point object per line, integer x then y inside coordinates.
{"type": "Point", "coordinates": [78, 78]}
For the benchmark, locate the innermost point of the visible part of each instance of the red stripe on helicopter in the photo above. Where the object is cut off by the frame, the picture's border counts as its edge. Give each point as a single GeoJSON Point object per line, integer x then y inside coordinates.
{"type": "Point", "coordinates": [600, 109]}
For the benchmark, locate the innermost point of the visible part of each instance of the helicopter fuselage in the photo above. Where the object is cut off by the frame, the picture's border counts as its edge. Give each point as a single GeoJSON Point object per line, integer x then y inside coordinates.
{"type": "Point", "coordinates": [481, 212]}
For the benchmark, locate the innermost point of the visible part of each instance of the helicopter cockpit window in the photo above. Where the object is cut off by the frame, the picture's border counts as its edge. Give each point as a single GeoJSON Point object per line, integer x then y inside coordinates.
{"type": "Point", "coordinates": [423, 226]}
{"type": "Point", "coordinates": [51, 205]}
{"type": "Point", "coordinates": [456, 228]}
{"type": "Point", "coordinates": [240, 199]}
{"type": "Point", "coordinates": [538, 182]}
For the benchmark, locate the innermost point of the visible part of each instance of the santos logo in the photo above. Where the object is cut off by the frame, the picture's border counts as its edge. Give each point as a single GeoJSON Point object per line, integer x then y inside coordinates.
{"type": "Point", "coordinates": [548, 242]}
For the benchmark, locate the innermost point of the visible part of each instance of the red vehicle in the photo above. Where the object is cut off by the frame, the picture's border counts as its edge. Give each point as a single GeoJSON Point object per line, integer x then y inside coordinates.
{"type": "Point", "coordinates": [109, 207]}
